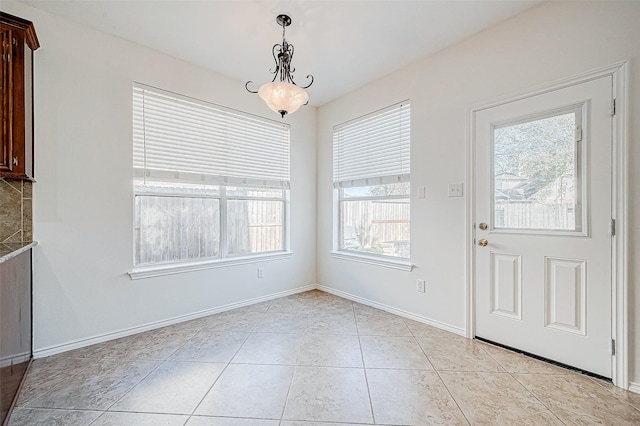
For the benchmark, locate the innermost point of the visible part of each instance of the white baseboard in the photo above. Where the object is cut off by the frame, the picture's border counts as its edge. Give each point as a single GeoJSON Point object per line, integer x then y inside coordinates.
{"type": "Point", "coordinates": [76, 344]}
{"type": "Point", "coordinates": [390, 309]}
{"type": "Point", "coordinates": [15, 359]}
{"type": "Point", "coordinates": [634, 387]}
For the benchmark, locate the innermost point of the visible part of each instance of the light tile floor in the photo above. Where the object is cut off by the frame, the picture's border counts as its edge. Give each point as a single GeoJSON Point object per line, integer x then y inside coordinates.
{"type": "Point", "coordinates": [308, 360]}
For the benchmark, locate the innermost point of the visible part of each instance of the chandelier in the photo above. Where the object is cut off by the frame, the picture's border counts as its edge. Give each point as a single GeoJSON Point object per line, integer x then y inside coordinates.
{"type": "Point", "coordinates": [283, 96]}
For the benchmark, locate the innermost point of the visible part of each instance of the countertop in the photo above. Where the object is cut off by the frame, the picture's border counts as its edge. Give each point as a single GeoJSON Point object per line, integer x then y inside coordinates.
{"type": "Point", "coordinates": [9, 250]}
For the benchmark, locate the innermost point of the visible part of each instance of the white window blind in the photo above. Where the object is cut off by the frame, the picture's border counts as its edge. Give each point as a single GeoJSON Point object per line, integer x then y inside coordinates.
{"type": "Point", "coordinates": [176, 138]}
{"type": "Point", "coordinates": [373, 149]}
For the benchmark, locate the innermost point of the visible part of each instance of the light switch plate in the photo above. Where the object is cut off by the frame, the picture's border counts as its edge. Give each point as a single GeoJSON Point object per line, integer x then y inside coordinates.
{"type": "Point", "coordinates": [455, 190]}
{"type": "Point", "coordinates": [422, 192]}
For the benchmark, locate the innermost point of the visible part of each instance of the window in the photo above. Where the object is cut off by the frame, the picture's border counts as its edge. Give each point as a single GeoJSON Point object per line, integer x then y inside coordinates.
{"type": "Point", "coordinates": [538, 173]}
{"type": "Point", "coordinates": [211, 183]}
{"type": "Point", "coordinates": [371, 171]}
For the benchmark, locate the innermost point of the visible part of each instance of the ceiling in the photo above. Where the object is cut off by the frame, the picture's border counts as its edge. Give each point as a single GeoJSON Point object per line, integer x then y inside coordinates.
{"type": "Point", "coordinates": [344, 44]}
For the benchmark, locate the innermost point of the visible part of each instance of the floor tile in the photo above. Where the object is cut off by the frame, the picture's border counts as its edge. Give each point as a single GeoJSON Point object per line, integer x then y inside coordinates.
{"type": "Point", "coordinates": [245, 390]}
{"type": "Point", "coordinates": [288, 423]}
{"type": "Point", "coordinates": [457, 354]}
{"type": "Point", "coordinates": [139, 419]}
{"type": "Point", "coordinates": [282, 322]}
{"type": "Point", "coordinates": [412, 397]}
{"type": "Point", "coordinates": [514, 362]}
{"type": "Point", "coordinates": [496, 399]}
{"type": "Point", "coordinates": [153, 345]}
{"type": "Point", "coordinates": [578, 400]}
{"type": "Point", "coordinates": [393, 352]}
{"type": "Point", "coordinates": [621, 394]}
{"type": "Point", "coordinates": [332, 322]}
{"type": "Point", "coordinates": [300, 358]}
{"type": "Point", "coordinates": [381, 325]}
{"type": "Point", "coordinates": [194, 325]}
{"type": "Point", "coordinates": [104, 349]}
{"type": "Point", "coordinates": [47, 373]}
{"type": "Point", "coordinates": [210, 346]}
{"type": "Point", "coordinates": [256, 307]}
{"type": "Point", "coordinates": [173, 388]}
{"type": "Point", "coordinates": [361, 309]}
{"type": "Point", "coordinates": [329, 394]}
{"type": "Point", "coordinates": [423, 330]}
{"type": "Point", "coordinates": [47, 417]}
{"type": "Point", "coordinates": [291, 304]}
{"type": "Point", "coordinates": [327, 303]}
{"type": "Point", "coordinates": [229, 421]}
{"type": "Point", "coordinates": [96, 387]}
{"type": "Point", "coordinates": [330, 351]}
{"type": "Point", "coordinates": [239, 321]}
{"type": "Point", "coordinates": [270, 348]}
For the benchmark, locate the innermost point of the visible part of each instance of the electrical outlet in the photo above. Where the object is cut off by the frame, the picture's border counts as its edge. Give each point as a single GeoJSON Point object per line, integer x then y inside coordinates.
{"type": "Point", "coordinates": [260, 272]}
{"type": "Point", "coordinates": [455, 190]}
{"type": "Point", "coordinates": [421, 286]}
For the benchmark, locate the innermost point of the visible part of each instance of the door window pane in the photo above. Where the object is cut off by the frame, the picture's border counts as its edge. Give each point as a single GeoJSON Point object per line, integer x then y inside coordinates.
{"type": "Point", "coordinates": [537, 175]}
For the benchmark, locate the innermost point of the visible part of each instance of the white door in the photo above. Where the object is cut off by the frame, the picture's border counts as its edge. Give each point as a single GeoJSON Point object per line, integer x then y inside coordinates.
{"type": "Point", "coordinates": [543, 209]}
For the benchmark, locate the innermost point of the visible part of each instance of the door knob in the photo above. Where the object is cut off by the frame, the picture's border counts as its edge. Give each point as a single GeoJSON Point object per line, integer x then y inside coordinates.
{"type": "Point", "coordinates": [483, 226]}
{"type": "Point", "coordinates": [483, 242]}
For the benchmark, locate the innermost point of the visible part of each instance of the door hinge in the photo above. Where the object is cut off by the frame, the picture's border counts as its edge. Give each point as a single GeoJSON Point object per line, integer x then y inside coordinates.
{"type": "Point", "coordinates": [613, 346]}
{"type": "Point", "coordinates": [578, 134]}
{"type": "Point", "coordinates": [613, 107]}
{"type": "Point", "coordinates": [612, 227]}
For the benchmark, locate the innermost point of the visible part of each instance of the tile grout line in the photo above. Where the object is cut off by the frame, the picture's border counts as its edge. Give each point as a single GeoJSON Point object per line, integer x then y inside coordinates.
{"type": "Point", "coordinates": [504, 370]}
{"type": "Point", "coordinates": [364, 367]}
{"type": "Point", "coordinates": [453, 397]}
{"type": "Point", "coordinates": [415, 339]}
{"type": "Point", "coordinates": [29, 401]}
{"type": "Point", "coordinates": [286, 398]}
{"type": "Point", "coordinates": [309, 317]}
{"type": "Point", "coordinates": [438, 374]}
{"type": "Point", "coordinates": [160, 363]}
{"type": "Point", "coordinates": [229, 362]}
{"type": "Point", "coordinates": [523, 386]}
{"type": "Point", "coordinates": [536, 398]}
{"type": "Point", "coordinates": [610, 391]}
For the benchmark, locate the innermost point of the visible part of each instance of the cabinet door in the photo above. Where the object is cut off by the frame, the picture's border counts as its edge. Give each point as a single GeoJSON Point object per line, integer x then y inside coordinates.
{"type": "Point", "coordinates": [6, 143]}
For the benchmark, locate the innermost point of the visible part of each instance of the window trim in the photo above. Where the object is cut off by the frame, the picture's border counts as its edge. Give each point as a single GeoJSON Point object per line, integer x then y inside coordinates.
{"type": "Point", "coordinates": [220, 175]}
{"type": "Point", "coordinates": [354, 167]}
{"type": "Point", "coordinates": [372, 259]}
{"type": "Point", "coordinates": [177, 268]}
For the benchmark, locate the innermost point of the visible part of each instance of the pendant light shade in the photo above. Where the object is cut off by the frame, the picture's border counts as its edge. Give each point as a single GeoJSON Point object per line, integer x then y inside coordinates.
{"type": "Point", "coordinates": [283, 96]}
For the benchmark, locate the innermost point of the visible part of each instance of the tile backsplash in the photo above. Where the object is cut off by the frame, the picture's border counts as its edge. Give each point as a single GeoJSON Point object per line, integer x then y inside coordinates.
{"type": "Point", "coordinates": [16, 222]}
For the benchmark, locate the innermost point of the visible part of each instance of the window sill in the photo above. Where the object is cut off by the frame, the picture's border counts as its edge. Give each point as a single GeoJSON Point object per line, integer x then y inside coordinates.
{"type": "Point", "coordinates": [160, 270]}
{"type": "Point", "coordinates": [403, 265]}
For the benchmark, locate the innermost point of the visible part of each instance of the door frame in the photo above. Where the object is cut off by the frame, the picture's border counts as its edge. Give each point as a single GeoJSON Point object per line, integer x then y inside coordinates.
{"type": "Point", "coordinates": [619, 205]}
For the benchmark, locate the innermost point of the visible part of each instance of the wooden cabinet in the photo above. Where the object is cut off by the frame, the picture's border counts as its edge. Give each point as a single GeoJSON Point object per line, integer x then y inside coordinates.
{"type": "Point", "coordinates": [19, 40]}
{"type": "Point", "coordinates": [15, 327]}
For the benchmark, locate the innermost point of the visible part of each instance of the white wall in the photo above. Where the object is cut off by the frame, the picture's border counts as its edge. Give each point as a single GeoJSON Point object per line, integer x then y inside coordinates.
{"type": "Point", "coordinates": [83, 206]}
{"type": "Point", "coordinates": [83, 203]}
{"type": "Point", "coordinates": [547, 43]}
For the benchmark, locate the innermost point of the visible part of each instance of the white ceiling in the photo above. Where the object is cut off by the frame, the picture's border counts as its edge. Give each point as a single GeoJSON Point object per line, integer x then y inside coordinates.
{"type": "Point", "coordinates": [344, 44]}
